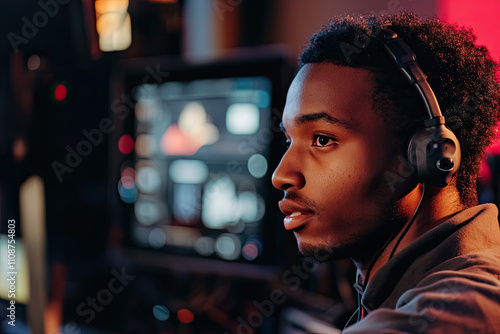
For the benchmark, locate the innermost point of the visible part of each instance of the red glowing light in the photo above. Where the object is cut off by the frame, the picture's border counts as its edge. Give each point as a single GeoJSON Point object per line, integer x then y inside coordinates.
{"type": "Point", "coordinates": [125, 144]}
{"type": "Point", "coordinates": [185, 316]}
{"type": "Point", "coordinates": [482, 17]}
{"type": "Point", "coordinates": [60, 92]}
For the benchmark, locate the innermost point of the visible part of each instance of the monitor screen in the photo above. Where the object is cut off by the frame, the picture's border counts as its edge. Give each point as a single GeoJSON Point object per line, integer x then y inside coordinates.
{"type": "Point", "coordinates": [198, 175]}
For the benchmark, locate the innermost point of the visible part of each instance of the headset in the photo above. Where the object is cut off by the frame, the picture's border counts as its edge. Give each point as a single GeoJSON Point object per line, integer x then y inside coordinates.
{"type": "Point", "coordinates": [433, 152]}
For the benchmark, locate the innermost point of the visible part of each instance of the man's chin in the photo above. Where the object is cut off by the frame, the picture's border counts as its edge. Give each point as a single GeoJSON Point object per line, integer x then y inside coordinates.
{"type": "Point", "coordinates": [321, 253]}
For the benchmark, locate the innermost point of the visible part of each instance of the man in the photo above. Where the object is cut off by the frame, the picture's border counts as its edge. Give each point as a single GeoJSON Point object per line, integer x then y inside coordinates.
{"type": "Point", "coordinates": [428, 257]}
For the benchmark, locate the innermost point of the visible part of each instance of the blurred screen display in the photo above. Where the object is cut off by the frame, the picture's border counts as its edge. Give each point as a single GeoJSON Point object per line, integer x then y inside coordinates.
{"type": "Point", "coordinates": [200, 177]}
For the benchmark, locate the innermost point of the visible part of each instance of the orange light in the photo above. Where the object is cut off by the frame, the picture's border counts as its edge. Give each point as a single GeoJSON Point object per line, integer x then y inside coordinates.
{"type": "Point", "coordinates": [113, 24]}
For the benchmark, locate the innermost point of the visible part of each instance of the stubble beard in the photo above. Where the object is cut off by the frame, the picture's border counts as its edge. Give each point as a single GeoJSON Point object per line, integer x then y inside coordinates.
{"type": "Point", "coordinates": [361, 246]}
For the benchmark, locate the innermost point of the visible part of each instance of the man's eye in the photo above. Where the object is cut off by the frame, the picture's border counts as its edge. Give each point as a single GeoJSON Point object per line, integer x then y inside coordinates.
{"type": "Point", "coordinates": [320, 140]}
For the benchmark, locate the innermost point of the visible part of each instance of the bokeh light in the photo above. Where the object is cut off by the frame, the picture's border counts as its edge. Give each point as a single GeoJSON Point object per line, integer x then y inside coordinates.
{"type": "Point", "coordinates": [157, 238]}
{"type": "Point", "coordinates": [148, 210]}
{"type": "Point", "coordinates": [34, 62]}
{"type": "Point", "coordinates": [228, 246]}
{"type": "Point", "coordinates": [125, 144]}
{"type": "Point", "coordinates": [242, 118]}
{"type": "Point", "coordinates": [161, 313]}
{"type": "Point", "coordinates": [128, 177]}
{"type": "Point", "coordinates": [60, 92]}
{"type": "Point", "coordinates": [204, 246]}
{"type": "Point", "coordinates": [126, 194]}
{"type": "Point", "coordinates": [188, 171]}
{"type": "Point", "coordinates": [185, 316]}
{"type": "Point", "coordinates": [145, 145]}
{"type": "Point", "coordinates": [148, 179]}
{"type": "Point", "coordinates": [257, 165]}
{"type": "Point", "coordinates": [250, 251]}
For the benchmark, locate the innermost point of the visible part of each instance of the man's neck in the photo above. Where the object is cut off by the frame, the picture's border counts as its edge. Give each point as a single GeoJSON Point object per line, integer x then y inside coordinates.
{"type": "Point", "coordinates": [438, 205]}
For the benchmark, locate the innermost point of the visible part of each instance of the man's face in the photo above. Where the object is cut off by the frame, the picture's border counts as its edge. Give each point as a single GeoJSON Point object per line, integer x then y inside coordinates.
{"type": "Point", "coordinates": [337, 198]}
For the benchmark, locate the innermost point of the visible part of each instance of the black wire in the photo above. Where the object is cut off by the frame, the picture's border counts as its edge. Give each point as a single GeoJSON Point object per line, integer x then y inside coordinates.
{"type": "Point", "coordinates": [368, 271]}
{"type": "Point", "coordinates": [372, 263]}
{"type": "Point", "coordinates": [409, 224]}
{"type": "Point", "coordinates": [349, 321]}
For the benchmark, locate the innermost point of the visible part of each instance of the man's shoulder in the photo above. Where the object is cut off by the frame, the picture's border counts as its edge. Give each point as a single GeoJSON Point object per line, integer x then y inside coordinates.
{"type": "Point", "coordinates": [460, 296]}
{"type": "Point", "coordinates": [477, 272]}
{"type": "Point", "coordinates": [466, 245]}
{"type": "Point", "coordinates": [470, 240]}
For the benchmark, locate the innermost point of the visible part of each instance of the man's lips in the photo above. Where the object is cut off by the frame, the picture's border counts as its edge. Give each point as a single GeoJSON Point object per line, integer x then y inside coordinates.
{"type": "Point", "coordinates": [296, 214]}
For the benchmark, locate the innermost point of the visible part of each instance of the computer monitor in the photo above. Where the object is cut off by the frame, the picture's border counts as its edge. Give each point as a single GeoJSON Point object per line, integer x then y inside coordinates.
{"type": "Point", "coordinates": [193, 160]}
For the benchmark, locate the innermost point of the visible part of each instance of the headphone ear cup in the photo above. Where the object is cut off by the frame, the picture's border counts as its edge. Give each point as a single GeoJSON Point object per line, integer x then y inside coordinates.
{"type": "Point", "coordinates": [434, 155]}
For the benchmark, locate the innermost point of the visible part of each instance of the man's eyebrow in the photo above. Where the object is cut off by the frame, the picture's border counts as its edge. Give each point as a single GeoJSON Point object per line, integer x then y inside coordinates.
{"type": "Point", "coordinates": [307, 118]}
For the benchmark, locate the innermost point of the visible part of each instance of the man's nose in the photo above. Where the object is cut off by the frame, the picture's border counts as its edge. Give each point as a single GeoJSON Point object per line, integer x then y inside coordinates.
{"type": "Point", "coordinates": [288, 174]}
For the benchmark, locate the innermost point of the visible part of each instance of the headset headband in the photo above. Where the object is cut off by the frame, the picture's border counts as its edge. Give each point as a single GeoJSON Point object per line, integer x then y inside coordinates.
{"type": "Point", "coordinates": [406, 61]}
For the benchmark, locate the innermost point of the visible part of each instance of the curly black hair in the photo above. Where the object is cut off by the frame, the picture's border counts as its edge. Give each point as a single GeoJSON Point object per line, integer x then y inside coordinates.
{"type": "Point", "coordinates": [463, 76]}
